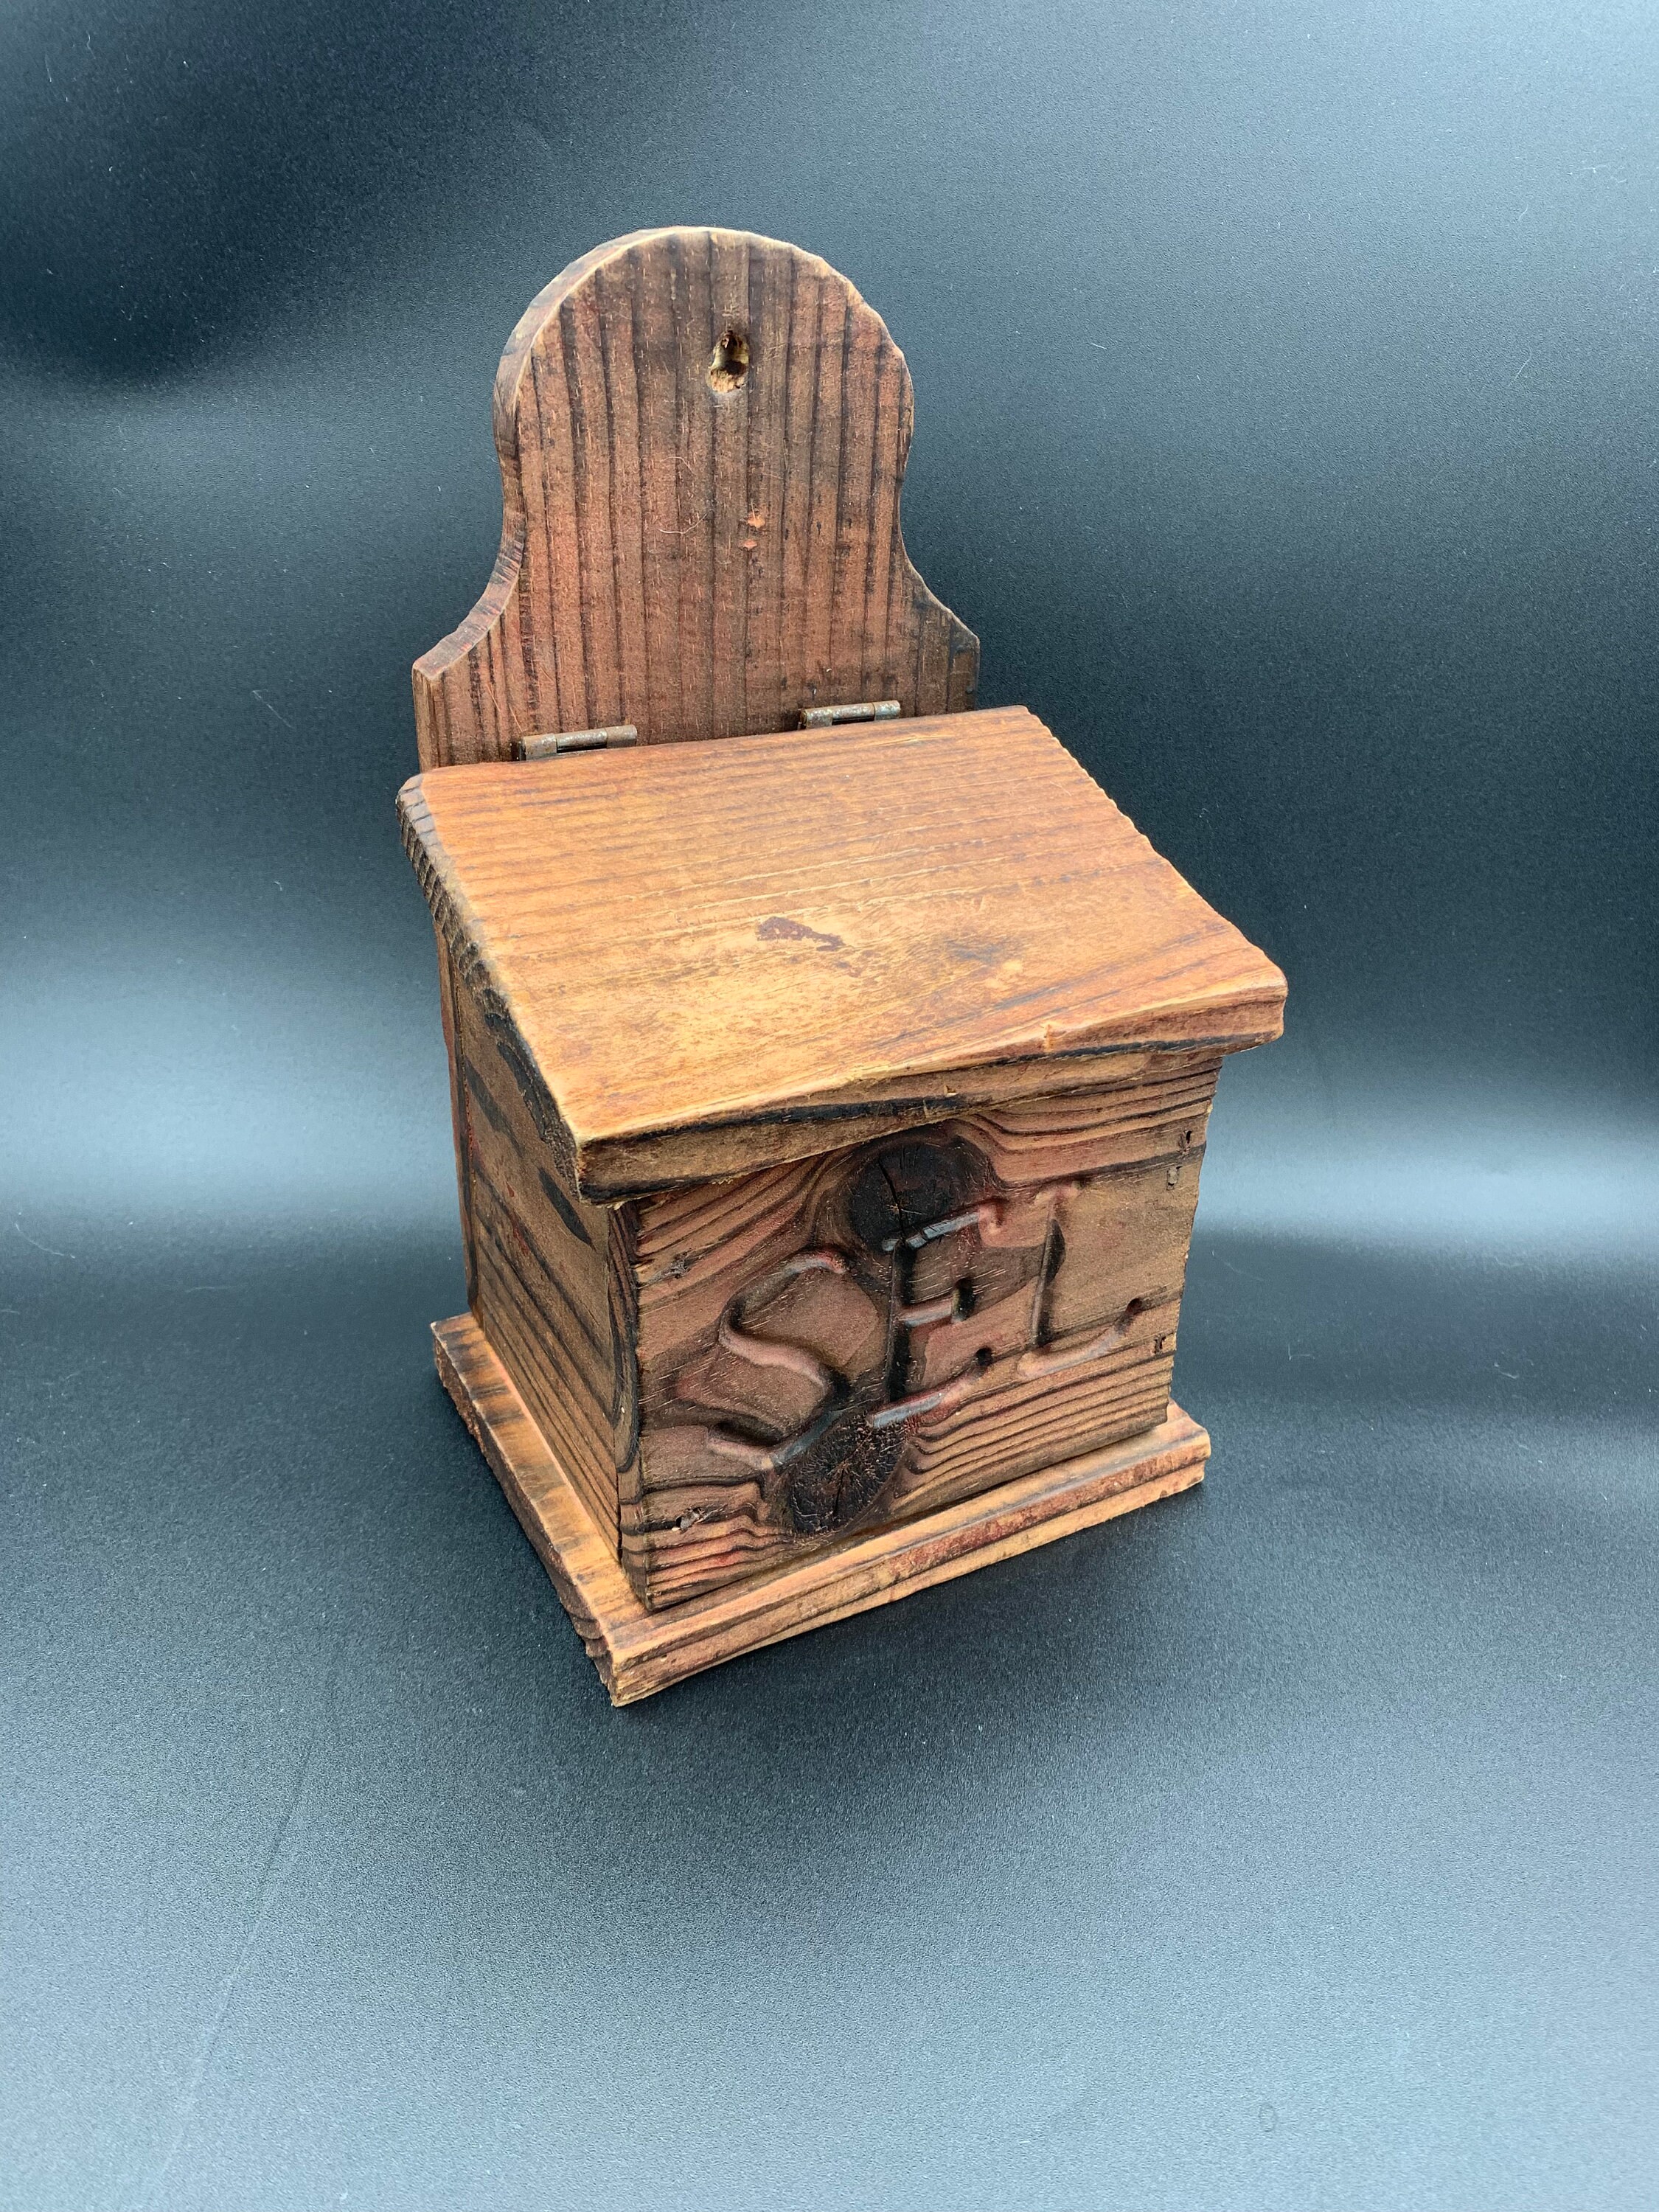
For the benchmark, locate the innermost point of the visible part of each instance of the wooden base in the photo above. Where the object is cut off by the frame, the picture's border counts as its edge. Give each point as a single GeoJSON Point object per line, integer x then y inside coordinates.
{"type": "Point", "coordinates": [639, 1652]}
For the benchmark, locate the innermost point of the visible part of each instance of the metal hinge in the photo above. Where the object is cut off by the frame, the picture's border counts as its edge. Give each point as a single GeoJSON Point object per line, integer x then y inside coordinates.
{"type": "Point", "coordinates": [546, 745]}
{"type": "Point", "coordinates": [867, 710]}
{"type": "Point", "coordinates": [543, 747]}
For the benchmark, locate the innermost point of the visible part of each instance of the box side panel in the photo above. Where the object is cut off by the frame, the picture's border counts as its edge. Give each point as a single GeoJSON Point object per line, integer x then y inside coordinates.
{"type": "Point", "coordinates": [861, 1338]}
{"type": "Point", "coordinates": [539, 1270]}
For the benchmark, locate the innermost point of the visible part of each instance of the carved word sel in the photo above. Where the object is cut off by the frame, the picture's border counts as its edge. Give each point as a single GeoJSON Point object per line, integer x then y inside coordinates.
{"type": "Point", "coordinates": [925, 1273]}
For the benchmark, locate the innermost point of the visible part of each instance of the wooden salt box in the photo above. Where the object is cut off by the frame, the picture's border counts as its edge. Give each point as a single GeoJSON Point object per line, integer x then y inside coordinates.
{"type": "Point", "coordinates": [830, 1060]}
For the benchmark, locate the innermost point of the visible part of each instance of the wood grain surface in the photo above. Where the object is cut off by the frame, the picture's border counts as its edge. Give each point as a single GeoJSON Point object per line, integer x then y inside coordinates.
{"type": "Point", "coordinates": [550, 1277]}
{"type": "Point", "coordinates": [703, 435]}
{"type": "Point", "coordinates": [868, 1336]}
{"type": "Point", "coordinates": [715, 957]}
{"type": "Point", "coordinates": [639, 1652]}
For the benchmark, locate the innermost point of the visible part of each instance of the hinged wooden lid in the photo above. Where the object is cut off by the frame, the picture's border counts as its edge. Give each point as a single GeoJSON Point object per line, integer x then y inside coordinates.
{"type": "Point", "coordinates": [701, 959]}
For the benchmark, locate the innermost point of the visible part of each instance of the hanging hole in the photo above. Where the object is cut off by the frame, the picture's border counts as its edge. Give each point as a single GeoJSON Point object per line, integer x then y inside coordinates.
{"type": "Point", "coordinates": [728, 364]}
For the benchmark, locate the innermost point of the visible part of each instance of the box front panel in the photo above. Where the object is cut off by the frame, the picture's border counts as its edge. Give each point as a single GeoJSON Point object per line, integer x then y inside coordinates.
{"type": "Point", "coordinates": [862, 1337]}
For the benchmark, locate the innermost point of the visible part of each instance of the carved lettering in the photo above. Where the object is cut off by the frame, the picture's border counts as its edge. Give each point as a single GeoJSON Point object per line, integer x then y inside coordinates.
{"type": "Point", "coordinates": [932, 1275]}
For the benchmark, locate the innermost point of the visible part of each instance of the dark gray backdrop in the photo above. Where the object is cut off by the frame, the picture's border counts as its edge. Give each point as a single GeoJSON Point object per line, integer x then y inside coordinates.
{"type": "Point", "coordinates": [1287, 427]}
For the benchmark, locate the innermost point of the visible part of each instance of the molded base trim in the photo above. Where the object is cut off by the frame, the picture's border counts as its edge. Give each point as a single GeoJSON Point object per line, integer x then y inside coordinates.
{"type": "Point", "coordinates": [639, 1652]}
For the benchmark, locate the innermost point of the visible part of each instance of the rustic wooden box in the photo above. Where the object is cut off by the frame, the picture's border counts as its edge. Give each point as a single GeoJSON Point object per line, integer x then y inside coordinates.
{"type": "Point", "coordinates": [830, 1102]}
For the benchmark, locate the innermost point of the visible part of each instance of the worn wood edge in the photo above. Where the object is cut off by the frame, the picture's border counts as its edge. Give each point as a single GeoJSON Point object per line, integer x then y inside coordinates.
{"type": "Point", "coordinates": [426, 675]}
{"type": "Point", "coordinates": [458, 929]}
{"type": "Point", "coordinates": [638, 1163]}
{"type": "Point", "coordinates": [638, 1653]}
